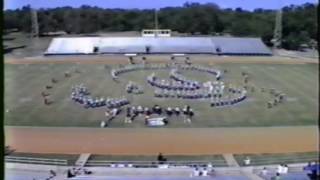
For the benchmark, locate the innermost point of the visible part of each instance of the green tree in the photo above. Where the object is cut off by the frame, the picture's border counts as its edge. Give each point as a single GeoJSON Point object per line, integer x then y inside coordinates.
{"type": "Point", "coordinates": [299, 22]}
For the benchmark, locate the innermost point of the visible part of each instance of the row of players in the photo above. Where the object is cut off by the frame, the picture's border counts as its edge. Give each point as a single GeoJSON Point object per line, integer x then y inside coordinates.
{"type": "Point", "coordinates": [156, 109]}
{"type": "Point", "coordinates": [226, 102]}
{"type": "Point", "coordinates": [136, 67]}
{"type": "Point", "coordinates": [133, 112]}
{"type": "Point", "coordinates": [175, 75]}
{"type": "Point", "coordinates": [134, 88]}
{"type": "Point", "coordinates": [196, 94]}
{"type": "Point", "coordinates": [215, 72]}
{"type": "Point", "coordinates": [216, 98]}
{"type": "Point", "coordinates": [81, 95]}
{"type": "Point", "coordinates": [171, 85]}
{"type": "Point", "coordinates": [90, 102]}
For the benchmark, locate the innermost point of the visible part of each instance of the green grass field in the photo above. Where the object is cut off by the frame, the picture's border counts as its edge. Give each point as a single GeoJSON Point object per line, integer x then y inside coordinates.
{"type": "Point", "coordinates": [24, 84]}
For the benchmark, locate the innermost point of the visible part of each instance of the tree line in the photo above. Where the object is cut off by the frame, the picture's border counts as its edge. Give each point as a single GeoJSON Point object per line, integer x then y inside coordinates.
{"type": "Point", "coordinates": [299, 21]}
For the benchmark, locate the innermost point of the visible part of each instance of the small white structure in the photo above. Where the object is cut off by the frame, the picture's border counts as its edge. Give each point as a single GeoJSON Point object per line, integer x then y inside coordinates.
{"type": "Point", "coordinates": [154, 122]}
{"type": "Point", "coordinates": [130, 55]}
{"type": "Point", "coordinates": [156, 33]}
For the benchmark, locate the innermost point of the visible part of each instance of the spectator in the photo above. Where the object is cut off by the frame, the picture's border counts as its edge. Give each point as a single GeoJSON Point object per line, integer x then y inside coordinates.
{"type": "Point", "coordinates": [312, 171]}
{"type": "Point", "coordinates": [204, 172]}
{"type": "Point", "coordinates": [309, 164]}
{"type": "Point", "coordinates": [285, 169]}
{"type": "Point", "coordinates": [195, 172]}
{"type": "Point", "coordinates": [247, 161]}
{"type": "Point", "coordinates": [52, 173]}
{"type": "Point", "coordinates": [113, 165]}
{"type": "Point", "coordinates": [161, 158]}
{"type": "Point", "coordinates": [264, 171]}
{"type": "Point", "coordinates": [279, 169]}
{"type": "Point", "coordinates": [70, 174]}
{"type": "Point", "coordinates": [277, 177]}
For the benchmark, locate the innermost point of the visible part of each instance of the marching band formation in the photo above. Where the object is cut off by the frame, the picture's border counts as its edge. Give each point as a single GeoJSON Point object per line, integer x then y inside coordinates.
{"type": "Point", "coordinates": [177, 86]}
{"type": "Point", "coordinates": [217, 73]}
{"type": "Point", "coordinates": [237, 96]}
{"type": "Point", "coordinates": [182, 88]}
{"type": "Point", "coordinates": [176, 76]}
{"type": "Point", "coordinates": [81, 95]}
{"type": "Point", "coordinates": [137, 67]}
{"type": "Point", "coordinates": [162, 112]}
{"type": "Point", "coordinates": [134, 88]}
{"type": "Point", "coordinates": [172, 84]}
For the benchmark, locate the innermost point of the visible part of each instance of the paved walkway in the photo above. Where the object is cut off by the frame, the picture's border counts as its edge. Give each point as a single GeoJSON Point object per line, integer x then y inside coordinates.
{"type": "Point", "coordinates": [252, 176]}
{"type": "Point", "coordinates": [230, 160]}
{"type": "Point", "coordinates": [245, 171]}
{"type": "Point", "coordinates": [82, 160]}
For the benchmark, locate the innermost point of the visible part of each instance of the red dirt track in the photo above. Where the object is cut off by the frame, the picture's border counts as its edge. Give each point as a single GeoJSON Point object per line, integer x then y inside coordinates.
{"type": "Point", "coordinates": [192, 141]}
{"type": "Point", "coordinates": [117, 59]}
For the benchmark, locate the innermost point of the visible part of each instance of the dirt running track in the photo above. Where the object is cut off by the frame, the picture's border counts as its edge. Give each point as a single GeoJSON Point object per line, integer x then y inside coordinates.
{"type": "Point", "coordinates": [118, 59]}
{"type": "Point", "coordinates": [190, 141]}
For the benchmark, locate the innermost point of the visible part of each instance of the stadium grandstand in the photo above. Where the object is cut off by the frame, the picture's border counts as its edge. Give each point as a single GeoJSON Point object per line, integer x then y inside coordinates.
{"type": "Point", "coordinates": [158, 45]}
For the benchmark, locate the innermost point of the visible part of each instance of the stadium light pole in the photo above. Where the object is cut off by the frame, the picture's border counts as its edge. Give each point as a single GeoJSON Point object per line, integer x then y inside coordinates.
{"type": "Point", "coordinates": [277, 36]}
{"type": "Point", "coordinates": [156, 22]}
{"type": "Point", "coordinates": [34, 35]}
{"type": "Point", "coordinates": [34, 22]}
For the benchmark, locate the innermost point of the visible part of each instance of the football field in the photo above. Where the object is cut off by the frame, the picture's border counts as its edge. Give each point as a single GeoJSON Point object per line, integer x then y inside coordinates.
{"type": "Point", "coordinates": [24, 104]}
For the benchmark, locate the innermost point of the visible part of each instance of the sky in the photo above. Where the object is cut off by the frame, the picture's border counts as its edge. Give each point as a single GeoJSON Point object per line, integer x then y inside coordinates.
{"type": "Point", "coordinates": [150, 4]}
